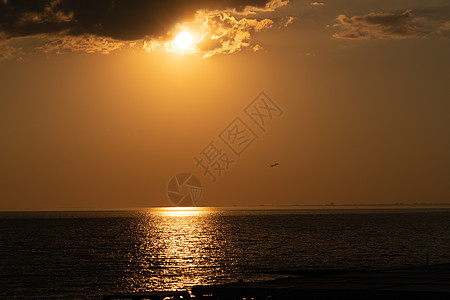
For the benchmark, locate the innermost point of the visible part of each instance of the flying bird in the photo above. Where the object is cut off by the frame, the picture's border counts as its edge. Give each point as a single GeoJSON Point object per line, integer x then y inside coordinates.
{"type": "Point", "coordinates": [274, 165]}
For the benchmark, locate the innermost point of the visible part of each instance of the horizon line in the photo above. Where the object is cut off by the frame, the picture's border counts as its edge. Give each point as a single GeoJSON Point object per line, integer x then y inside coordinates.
{"type": "Point", "coordinates": [254, 207]}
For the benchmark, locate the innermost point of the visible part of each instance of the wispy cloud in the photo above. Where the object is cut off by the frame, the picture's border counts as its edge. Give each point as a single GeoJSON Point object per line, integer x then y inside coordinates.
{"type": "Point", "coordinates": [84, 43]}
{"type": "Point", "coordinates": [270, 6]}
{"type": "Point", "coordinates": [387, 25]}
{"type": "Point", "coordinates": [317, 3]}
{"type": "Point", "coordinates": [7, 51]}
{"type": "Point", "coordinates": [49, 14]}
{"type": "Point", "coordinates": [286, 21]}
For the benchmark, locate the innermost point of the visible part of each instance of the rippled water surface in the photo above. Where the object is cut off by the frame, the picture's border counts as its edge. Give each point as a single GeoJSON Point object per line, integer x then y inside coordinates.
{"type": "Point", "coordinates": [88, 254]}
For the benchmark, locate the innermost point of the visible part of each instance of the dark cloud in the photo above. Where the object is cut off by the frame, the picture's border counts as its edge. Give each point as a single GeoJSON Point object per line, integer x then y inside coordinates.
{"type": "Point", "coordinates": [103, 26]}
{"type": "Point", "coordinates": [388, 25]}
{"type": "Point", "coordinates": [117, 19]}
{"type": "Point", "coordinates": [82, 43]}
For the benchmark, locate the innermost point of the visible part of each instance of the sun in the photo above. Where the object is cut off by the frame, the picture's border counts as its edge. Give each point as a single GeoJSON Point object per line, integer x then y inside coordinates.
{"type": "Point", "coordinates": [184, 40]}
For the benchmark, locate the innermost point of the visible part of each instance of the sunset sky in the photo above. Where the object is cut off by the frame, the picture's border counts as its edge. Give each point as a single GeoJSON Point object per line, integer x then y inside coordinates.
{"type": "Point", "coordinates": [100, 107]}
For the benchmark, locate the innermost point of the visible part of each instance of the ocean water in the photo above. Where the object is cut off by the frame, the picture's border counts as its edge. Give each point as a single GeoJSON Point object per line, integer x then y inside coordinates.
{"type": "Point", "coordinates": [54, 255]}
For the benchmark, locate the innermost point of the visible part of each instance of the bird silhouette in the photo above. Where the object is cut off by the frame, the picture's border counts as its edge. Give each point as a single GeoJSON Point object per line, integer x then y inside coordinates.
{"type": "Point", "coordinates": [274, 165]}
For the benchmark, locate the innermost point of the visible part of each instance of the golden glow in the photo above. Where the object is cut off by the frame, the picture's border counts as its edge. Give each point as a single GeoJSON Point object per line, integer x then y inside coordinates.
{"type": "Point", "coordinates": [181, 211]}
{"type": "Point", "coordinates": [211, 33]}
{"type": "Point", "coordinates": [183, 242]}
{"type": "Point", "coordinates": [184, 40]}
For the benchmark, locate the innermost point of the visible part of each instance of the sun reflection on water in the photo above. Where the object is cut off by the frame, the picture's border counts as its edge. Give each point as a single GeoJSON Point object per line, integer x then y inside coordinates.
{"type": "Point", "coordinates": [182, 211]}
{"type": "Point", "coordinates": [180, 246]}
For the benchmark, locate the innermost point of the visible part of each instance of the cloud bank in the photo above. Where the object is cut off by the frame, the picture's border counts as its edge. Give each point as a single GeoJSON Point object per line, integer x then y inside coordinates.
{"type": "Point", "coordinates": [107, 25]}
{"type": "Point", "coordinates": [217, 32]}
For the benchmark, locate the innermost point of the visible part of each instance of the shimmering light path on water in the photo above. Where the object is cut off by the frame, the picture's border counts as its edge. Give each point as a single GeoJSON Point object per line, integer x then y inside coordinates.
{"type": "Point", "coordinates": [87, 254]}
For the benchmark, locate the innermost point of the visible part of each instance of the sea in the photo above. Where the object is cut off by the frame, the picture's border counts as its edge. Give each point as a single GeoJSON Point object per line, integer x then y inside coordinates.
{"type": "Point", "coordinates": [88, 254]}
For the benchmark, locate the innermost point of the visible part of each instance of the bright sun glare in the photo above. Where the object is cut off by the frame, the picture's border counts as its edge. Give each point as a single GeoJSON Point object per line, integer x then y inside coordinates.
{"type": "Point", "coordinates": [183, 40]}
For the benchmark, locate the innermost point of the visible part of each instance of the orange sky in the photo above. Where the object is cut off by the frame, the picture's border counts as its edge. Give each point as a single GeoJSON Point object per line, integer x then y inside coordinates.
{"type": "Point", "coordinates": [365, 113]}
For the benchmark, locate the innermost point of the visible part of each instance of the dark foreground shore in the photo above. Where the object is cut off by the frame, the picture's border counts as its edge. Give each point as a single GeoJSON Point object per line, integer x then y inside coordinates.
{"type": "Point", "coordinates": [430, 282]}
